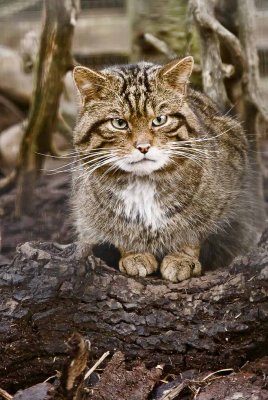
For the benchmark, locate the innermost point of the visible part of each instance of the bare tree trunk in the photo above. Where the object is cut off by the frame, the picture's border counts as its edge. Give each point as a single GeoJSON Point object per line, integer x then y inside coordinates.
{"type": "Point", "coordinates": [251, 78]}
{"type": "Point", "coordinates": [212, 66]}
{"type": "Point", "coordinates": [54, 60]}
{"type": "Point", "coordinates": [236, 46]}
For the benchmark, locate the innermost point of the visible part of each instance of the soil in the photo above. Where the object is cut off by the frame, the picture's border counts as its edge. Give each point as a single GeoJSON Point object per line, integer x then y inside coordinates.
{"type": "Point", "coordinates": [50, 219]}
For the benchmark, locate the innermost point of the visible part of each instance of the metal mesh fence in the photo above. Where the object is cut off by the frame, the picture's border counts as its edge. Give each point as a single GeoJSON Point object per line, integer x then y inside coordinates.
{"type": "Point", "coordinates": [262, 44]}
{"type": "Point", "coordinates": [91, 4]}
{"type": "Point", "coordinates": [35, 6]}
{"type": "Point", "coordinates": [261, 5]}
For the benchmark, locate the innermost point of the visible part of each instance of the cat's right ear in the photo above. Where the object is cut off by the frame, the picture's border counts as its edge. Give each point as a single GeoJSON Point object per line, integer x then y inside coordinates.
{"type": "Point", "coordinates": [177, 73]}
{"type": "Point", "coordinates": [88, 82]}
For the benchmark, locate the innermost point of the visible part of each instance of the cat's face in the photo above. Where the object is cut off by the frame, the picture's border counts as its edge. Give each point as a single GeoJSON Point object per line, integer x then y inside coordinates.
{"type": "Point", "coordinates": [133, 116]}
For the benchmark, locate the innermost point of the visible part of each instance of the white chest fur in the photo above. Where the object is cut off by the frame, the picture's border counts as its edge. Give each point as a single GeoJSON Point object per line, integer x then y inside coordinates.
{"type": "Point", "coordinates": [139, 201]}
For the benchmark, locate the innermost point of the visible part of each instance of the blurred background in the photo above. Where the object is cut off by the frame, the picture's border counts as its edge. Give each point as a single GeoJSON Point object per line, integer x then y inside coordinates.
{"type": "Point", "coordinates": [104, 32]}
{"type": "Point", "coordinates": [107, 32]}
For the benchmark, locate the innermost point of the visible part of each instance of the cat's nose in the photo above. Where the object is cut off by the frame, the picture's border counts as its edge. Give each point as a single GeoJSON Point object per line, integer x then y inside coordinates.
{"type": "Point", "coordinates": [143, 147]}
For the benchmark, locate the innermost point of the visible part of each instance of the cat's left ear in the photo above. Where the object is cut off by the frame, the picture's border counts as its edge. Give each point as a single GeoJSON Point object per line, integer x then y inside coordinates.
{"type": "Point", "coordinates": [88, 82]}
{"type": "Point", "coordinates": [177, 73]}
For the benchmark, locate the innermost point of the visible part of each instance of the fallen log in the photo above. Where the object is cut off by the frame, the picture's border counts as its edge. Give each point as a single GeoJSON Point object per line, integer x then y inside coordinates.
{"type": "Point", "coordinates": [219, 320]}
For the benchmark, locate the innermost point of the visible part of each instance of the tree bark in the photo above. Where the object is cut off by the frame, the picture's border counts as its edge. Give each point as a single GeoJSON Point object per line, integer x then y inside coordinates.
{"type": "Point", "coordinates": [212, 66]}
{"type": "Point", "coordinates": [235, 44]}
{"type": "Point", "coordinates": [54, 60]}
{"type": "Point", "coordinates": [219, 320]}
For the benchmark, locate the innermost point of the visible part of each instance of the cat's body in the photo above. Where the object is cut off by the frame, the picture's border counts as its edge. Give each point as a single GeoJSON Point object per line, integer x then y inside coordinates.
{"type": "Point", "coordinates": [172, 191]}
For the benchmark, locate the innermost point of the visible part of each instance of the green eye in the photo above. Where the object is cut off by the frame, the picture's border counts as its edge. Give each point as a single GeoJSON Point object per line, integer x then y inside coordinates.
{"type": "Point", "coordinates": [119, 123]}
{"type": "Point", "coordinates": [160, 120]}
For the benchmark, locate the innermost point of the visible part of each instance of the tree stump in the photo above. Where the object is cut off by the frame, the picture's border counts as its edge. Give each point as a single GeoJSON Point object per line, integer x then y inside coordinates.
{"type": "Point", "coordinates": [216, 321]}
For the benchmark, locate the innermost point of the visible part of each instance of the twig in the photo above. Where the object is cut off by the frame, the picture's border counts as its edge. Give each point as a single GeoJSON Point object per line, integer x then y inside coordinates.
{"type": "Point", "coordinates": [92, 369]}
{"type": "Point", "coordinates": [8, 181]}
{"type": "Point", "coordinates": [5, 395]}
{"type": "Point", "coordinates": [11, 106]}
{"type": "Point", "coordinates": [208, 21]}
{"type": "Point", "coordinates": [217, 372]}
{"type": "Point", "coordinates": [51, 377]}
{"type": "Point", "coordinates": [196, 393]}
{"type": "Point", "coordinates": [212, 71]}
{"type": "Point", "coordinates": [172, 393]}
{"type": "Point", "coordinates": [159, 45]}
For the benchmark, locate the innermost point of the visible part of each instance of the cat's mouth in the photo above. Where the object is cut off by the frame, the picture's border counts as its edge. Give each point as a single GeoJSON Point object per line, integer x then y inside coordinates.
{"type": "Point", "coordinates": [143, 160]}
{"type": "Point", "coordinates": [141, 164]}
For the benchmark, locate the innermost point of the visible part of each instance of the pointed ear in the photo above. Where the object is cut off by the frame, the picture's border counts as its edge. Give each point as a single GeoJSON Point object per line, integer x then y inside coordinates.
{"type": "Point", "coordinates": [88, 81]}
{"type": "Point", "coordinates": [177, 73]}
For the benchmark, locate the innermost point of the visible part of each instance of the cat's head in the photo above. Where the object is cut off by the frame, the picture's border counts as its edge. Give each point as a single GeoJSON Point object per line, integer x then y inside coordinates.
{"type": "Point", "coordinates": [133, 116]}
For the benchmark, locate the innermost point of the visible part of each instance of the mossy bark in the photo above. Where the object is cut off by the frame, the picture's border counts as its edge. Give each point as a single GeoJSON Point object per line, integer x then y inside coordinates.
{"type": "Point", "coordinates": [168, 21]}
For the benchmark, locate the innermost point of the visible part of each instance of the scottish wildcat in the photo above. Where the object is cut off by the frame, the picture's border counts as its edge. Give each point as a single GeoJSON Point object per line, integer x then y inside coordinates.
{"type": "Point", "coordinates": [162, 174]}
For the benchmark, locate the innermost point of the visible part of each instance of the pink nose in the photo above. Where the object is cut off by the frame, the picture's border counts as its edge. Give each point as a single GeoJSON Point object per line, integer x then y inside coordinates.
{"type": "Point", "coordinates": [143, 147]}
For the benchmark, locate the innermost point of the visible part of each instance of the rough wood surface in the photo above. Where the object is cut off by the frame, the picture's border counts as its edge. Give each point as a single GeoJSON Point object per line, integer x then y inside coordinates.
{"type": "Point", "coordinates": [230, 37]}
{"type": "Point", "coordinates": [216, 321]}
{"type": "Point", "coordinates": [54, 60]}
{"type": "Point", "coordinates": [212, 68]}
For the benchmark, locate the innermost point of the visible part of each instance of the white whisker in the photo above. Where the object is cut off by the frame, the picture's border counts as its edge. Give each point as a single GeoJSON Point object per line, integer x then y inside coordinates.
{"type": "Point", "coordinates": [198, 153]}
{"type": "Point", "coordinates": [89, 158]}
{"type": "Point", "coordinates": [98, 165]}
{"type": "Point", "coordinates": [188, 156]}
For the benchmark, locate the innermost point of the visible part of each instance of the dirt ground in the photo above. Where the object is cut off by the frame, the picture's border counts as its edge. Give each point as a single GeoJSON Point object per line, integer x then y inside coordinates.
{"type": "Point", "coordinates": [50, 220]}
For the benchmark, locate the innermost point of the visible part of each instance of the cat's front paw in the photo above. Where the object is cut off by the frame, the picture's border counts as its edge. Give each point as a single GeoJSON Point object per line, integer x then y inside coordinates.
{"type": "Point", "coordinates": [140, 264]}
{"type": "Point", "coordinates": [177, 268]}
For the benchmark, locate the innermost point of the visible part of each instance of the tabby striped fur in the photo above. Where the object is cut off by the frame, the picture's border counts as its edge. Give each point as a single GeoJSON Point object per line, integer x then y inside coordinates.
{"type": "Point", "coordinates": [191, 192]}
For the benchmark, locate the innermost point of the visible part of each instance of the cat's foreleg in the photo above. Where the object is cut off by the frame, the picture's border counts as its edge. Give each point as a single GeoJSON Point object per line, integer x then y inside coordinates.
{"type": "Point", "coordinates": [184, 264]}
{"type": "Point", "coordinates": [83, 250]}
{"type": "Point", "coordinates": [76, 251]}
{"type": "Point", "coordinates": [137, 264]}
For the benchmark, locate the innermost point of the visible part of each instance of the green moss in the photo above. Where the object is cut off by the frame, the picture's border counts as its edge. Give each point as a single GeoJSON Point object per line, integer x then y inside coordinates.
{"type": "Point", "coordinates": [168, 21]}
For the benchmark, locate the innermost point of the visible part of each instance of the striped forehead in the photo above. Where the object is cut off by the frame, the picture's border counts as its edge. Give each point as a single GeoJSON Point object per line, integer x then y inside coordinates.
{"type": "Point", "coordinates": [136, 85]}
